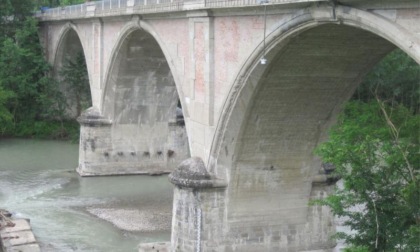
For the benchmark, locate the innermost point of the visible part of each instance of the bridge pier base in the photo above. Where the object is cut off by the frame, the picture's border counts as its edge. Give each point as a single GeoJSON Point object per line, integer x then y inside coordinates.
{"type": "Point", "coordinates": [321, 224]}
{"type": "Point", "coordinates": [200, 220]}
{"type": "Point", "coordinates": [94, 142]}
{"type": "Point", "coordinates": [107, 148]}
{"type": "Point", "coordinates": [199, 212]}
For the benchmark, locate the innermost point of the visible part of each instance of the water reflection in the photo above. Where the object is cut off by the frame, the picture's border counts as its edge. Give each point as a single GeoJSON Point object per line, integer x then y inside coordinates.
{"type": "Point", "coordinates": [37, 181]}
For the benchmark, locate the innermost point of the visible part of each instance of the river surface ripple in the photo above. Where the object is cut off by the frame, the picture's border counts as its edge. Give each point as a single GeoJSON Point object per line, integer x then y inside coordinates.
{"type": "Point", "coordinates": [69, 213]}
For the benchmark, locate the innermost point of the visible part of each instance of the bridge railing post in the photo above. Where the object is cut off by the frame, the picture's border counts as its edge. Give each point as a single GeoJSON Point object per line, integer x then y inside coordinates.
{"type": "Point", "coordinates": [90, 9]}
{"type": "Point", "coordinates": [129, 6]}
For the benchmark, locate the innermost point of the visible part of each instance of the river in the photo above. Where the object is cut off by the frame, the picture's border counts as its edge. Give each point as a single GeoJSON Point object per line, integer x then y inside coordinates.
{"type": "Point", "coordinates": [70, 213]}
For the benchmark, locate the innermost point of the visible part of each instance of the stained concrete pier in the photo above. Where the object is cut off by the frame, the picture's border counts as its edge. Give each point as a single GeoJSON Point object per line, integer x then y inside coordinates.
{"type": "Point", "coordinates": [16, 235]}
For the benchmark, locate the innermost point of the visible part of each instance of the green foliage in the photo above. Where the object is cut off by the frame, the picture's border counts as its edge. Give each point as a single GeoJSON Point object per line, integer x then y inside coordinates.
{"type": "Point", "coordinates": [24, 71]}
{"type": "Point", "coordinates": [380, 171]}
{"type": "Point", "coordinates": [75, 77]}
{"type": "Point", "coordinates": [71, 2]}
{"type": "Point", "coordinates": [396, 78]}
{"type": "Point", "coordinates": [12, 14]}
{"type": "Point", "coordinates": [6, 118]}
{"type": "Point", "coordinates": [375, 149]}
{"type": "Point", "coordinates": [55, 3]}
{"type": "Point", "coordinates": [48, 129]}
{"type": "Point", "coordinates": [356, 249]}
{"type": "Point", "coordinates": [29, 98]}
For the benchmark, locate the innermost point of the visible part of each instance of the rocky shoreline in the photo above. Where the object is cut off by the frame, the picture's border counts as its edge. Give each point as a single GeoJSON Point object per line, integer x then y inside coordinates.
{"type": "Point", "coordinates": [154, 219]}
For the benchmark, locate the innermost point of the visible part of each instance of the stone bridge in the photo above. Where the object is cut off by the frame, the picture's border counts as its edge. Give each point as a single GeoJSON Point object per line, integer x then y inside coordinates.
{"type": "Point", "coordinates": [258, 83]}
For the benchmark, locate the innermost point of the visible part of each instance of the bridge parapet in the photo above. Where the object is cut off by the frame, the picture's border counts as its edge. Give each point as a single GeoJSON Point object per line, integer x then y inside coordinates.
{"type": "Point", "coordinates": [127, 7]}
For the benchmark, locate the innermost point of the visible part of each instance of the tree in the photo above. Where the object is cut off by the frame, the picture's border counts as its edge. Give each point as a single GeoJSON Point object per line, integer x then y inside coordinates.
{"type": "Point", "coordinates": [396, 78]}
{"type": "Point", "coordinates": [24, 71]}
{"type": "Point", "coordinates": [29, 97]}
{"type": "Point", "coordinates": [375, 149]}
{"type": "Point", "coordinates": [55, 3]}
{"type": "Point", "coordinates": [380, 173]}
{"type": "Point", "coordinates": [6, 118]}
{"type": "Point", "coordinates": [12, 16]}
{"type": "Point", "coordinates": [75, 77]}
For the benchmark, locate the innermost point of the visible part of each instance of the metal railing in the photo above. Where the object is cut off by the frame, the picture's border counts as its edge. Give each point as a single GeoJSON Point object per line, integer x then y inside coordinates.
{"type": "Point", "coordinates": [125, 7]}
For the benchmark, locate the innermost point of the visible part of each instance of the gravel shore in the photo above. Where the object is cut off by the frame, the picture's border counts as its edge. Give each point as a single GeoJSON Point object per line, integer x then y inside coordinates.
{"type": "Point", "coordinates": [135, 219]}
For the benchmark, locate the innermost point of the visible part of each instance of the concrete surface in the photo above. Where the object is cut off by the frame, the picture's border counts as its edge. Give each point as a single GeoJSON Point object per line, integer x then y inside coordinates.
{"type": "Point", "coordinates": [155, 247]}
{"type": "Point", "coordinates": [19, 237]}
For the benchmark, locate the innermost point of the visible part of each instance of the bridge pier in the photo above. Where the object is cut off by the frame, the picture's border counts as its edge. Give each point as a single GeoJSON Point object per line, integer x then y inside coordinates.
{"type": "Point", "coordinates": [94, 142]}
{"type": "Point", "coordinates": [201, 223]}
{"type": "Point", "coordinates": [107, 148]}
{"type": "Point", "coordinates": [199, 210]}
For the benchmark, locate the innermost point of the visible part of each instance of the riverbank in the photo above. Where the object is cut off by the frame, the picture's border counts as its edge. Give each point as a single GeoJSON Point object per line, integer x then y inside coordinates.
{"type": "Point", "coordinates": [67, 130]}
{"type": "Point", "coordinates": [135, 220]}
{"type": "Point", "coordinates": [16, 234]}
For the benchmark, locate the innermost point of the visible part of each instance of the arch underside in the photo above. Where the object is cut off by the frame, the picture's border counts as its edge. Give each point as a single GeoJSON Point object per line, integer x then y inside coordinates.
{"type": "Point", "coordinates": [279, 119]}
{"type": "Point", "coordinates": [69, 49]}
{"type": "Point", "coordinates": [141, 101]}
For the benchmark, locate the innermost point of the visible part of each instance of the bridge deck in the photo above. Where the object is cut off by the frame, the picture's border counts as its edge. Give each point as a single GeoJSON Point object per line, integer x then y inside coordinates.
{"type": "Point", "coordinates": [129, 7]}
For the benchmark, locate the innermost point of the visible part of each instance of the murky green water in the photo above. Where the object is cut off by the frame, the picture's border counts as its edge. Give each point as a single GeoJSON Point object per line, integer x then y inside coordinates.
{"type": "Point", "coordinates": [37, 181]}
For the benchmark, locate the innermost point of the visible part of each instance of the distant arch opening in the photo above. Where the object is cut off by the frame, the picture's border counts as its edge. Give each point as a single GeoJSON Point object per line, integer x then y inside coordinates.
{"type": "Point", "coordinates": [71, 73]}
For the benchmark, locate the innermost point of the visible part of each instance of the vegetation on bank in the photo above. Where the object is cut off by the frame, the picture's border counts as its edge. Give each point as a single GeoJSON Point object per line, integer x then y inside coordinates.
{"type": "Point", "coordinates": [55, 3]}
{"type": "Point", "coordinates": [31, 102]}
{"type": "Point", "coordinates": [375, 149]}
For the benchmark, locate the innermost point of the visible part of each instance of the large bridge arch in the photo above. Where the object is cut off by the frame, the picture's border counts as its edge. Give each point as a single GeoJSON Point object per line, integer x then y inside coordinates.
{"type": "Point", "coordinates": [302, 20]}
{"type": "Point", "coordinates": [69, 46]}
{"type": "Point", "coordinates": [277, 113]}
{"type": "Point", "coordinates": [141, 101]}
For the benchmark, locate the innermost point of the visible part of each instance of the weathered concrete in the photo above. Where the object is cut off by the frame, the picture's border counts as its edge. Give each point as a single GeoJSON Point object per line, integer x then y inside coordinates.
{"type": "Point", "coordinates": [110, 149]}
{"type": "Point", "coordinates": [155, 247]}
{"type": "Point", "coordinates": [254, 126]}
{"type": "Point", "coordinates": [199, 210]}
{"type": "Point", "coordinates": [18, 237]}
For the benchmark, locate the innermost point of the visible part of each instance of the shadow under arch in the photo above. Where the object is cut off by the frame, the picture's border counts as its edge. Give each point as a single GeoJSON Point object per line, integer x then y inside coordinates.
{"type": "Point", "coordinates": [303, 20]}
{"type": "Point", "coordinates": [134, 25]}
{"type": "Point", "coordinates": [70, 49]}
{"type": "Point", "coordinates": [140, 99]}
{"type": "Point", "coordinates": [277, 113]}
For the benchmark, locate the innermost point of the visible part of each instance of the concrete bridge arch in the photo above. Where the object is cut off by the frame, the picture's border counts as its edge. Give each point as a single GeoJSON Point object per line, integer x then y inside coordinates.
{"type": "Point", "coordinates": [141, 108]}
{"type": "Point", "coordinates": [276, 114]}
{"type": "Point", "coordinates": [61, 42]}
{"type": "Point", "coordinates": [303, 20]}
{"type": "Point", "coordinates": [68, 48]}
{"type": "Point", "coordinates": [140, 25]}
